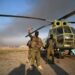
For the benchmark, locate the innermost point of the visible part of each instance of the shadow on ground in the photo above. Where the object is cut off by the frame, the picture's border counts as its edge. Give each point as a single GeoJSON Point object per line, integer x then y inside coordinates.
{"type": "Point", "coordinates": [18, 71]}
{"type": "Point", "coordinates": [58, 70]}
{"type": "Point", "coordinates": [34, 71]}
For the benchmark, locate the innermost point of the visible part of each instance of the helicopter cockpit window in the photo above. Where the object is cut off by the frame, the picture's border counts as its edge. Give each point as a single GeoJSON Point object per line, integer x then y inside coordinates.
{"type": "Point", "coordinates": [55, 31]}
{"type": "Point", "coordinates": [67, 29]}
{"type": "Point", "coordinates": [59, 30]}
{"type": "Point", "coordinates": [73, 30]}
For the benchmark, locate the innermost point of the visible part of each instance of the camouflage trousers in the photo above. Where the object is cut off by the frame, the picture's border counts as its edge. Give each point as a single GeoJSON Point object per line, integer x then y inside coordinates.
{"type": "Point", "coordinates": [50, 54]}
{"type": "Point", "coordinates": [34, 56]}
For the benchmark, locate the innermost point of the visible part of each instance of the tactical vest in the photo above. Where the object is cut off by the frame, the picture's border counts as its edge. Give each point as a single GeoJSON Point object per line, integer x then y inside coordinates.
{"type": "Point", "coordinates": [36, 42]}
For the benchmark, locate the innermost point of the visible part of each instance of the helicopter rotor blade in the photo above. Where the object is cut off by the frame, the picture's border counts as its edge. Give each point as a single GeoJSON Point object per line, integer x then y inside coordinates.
{"type": "Point", "coordinates": [72, 22]}
{"type": "Point", "coordinates": [16, 16]}
{"type": "Point", "coordinates": [42, 19]}
{"type": "Point", "coordinates": [39, 29]}
{"type": "Point", "coordinates": [68, 15]}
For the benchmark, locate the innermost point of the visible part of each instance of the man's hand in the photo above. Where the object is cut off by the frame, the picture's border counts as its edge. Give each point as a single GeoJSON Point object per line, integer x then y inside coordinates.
{"type": "Point", "coordinates": [29, 29]}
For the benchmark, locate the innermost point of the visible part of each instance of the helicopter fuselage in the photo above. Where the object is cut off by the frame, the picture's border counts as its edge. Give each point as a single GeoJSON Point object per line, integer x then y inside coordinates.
{"type": "Point", "coordinates": [64, 35]}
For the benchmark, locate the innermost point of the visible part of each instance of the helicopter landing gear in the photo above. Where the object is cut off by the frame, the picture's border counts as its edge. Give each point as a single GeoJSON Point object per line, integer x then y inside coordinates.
{"type": "Point", "coordinates": [59, 53]}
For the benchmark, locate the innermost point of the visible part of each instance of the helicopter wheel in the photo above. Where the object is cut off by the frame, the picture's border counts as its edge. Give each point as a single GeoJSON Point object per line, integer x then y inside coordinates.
{"type": "Point", "coordinates": [62, 55]}
{"type": "Point", "coordinates": [59, 54]}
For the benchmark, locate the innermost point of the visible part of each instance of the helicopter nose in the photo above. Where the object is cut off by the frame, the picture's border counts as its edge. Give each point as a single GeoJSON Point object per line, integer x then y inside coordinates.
{"type": "Point", "coordinates": [69, 40]}
{"type": "Point", "coordinates": [69, 36]}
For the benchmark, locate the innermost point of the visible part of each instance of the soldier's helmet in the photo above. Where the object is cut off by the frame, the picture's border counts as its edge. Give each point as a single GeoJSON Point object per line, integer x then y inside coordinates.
{"type": "Point", "coordinates": [36, 33]}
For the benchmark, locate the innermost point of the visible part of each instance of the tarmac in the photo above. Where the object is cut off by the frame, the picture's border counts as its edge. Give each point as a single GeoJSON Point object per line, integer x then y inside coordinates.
{"type": "Point", "coordinates": [15, 63]}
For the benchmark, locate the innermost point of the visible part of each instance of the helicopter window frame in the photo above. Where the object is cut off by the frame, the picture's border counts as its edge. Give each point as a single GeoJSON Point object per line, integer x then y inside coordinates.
{"type": "Point", "coordinates": [67, 29]}
{"type": "Point", "coordinates": [73, 30]}
{"type": "Point", "coordinates": [55, 31]}
{"type": "Point", "coordinates": [59, 30]}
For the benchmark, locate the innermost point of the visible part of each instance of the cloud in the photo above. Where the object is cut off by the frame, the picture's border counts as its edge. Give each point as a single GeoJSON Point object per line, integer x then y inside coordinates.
{"type": "Point", "coordinates": [17, 27]}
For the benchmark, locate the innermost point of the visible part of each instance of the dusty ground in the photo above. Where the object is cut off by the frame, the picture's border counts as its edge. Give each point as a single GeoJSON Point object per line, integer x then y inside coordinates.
{"type": "Point", "coordinates": [14, 63]}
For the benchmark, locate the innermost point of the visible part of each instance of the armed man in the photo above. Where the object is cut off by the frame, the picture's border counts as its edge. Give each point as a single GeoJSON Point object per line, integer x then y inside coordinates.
{"type": "Point", "coordinates": [34, 52]}
{"type": "Point", "coordinates": [50, 44]}
{"type": "Point", "coordinates": [29, 51]}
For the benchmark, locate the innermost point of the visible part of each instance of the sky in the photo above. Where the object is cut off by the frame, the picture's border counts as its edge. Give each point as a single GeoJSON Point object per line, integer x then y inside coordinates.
{"type": "Point", "coordinates": [13, 30]}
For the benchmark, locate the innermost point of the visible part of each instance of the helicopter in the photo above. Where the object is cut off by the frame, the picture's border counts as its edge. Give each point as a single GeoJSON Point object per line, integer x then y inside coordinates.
{"type": "Point", "coordinates": [63, 34]}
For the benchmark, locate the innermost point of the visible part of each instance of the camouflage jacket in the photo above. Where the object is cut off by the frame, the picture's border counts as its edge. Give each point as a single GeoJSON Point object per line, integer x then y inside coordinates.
{"type": "Point", "coordinates": [36, 42]}
{"type": "Point", "coordinates": [50, 43]}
